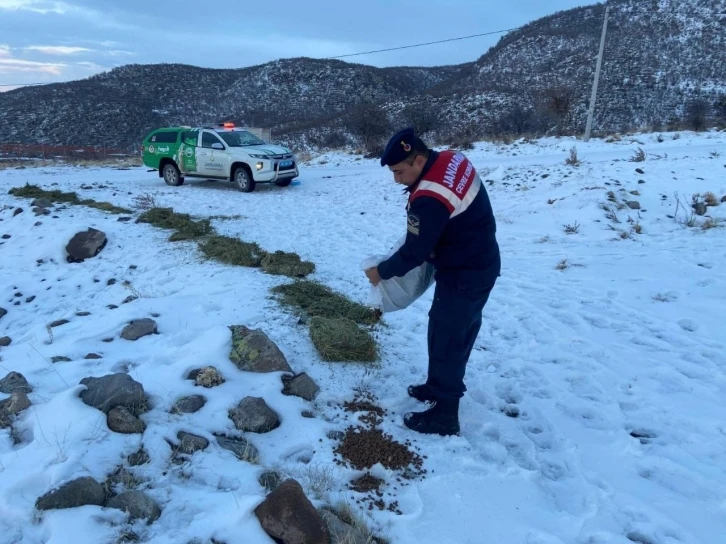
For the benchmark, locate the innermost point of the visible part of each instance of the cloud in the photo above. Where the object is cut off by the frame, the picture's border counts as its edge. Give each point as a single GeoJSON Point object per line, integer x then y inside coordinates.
{"type": "Point", "coordinates": [4, 50]}
{"type": "Point", "coordinates": [37, 6]}
{"type": "Point", "coordinates": [57, 49]}
{"type": "Point", "coordinates": [14, 66]}
{"type": "Point", "coordinates": [45, 7]}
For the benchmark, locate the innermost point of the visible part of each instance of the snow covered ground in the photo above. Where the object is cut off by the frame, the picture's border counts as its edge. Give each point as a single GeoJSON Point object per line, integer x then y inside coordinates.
{"type": "Point", "coordinates": [596, 403]}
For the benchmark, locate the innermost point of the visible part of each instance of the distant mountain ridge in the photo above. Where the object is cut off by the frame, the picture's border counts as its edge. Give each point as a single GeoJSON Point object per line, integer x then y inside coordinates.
{"type": "Point", "coordinates": [661, 56]}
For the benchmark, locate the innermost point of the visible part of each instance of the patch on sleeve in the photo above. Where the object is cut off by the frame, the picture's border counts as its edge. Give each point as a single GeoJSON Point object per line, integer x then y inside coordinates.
{"type": "Point", "coordinates": [413, 224]}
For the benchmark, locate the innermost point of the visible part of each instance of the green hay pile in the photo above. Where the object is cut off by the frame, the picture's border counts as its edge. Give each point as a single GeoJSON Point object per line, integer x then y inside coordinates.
{"type": "Point", "coordinates": [342, 340]}
{"type": "Point", "coordinates": [286, 264]}
{"type": "Point", "coordinates": [232, 251]}
{"type": "Point", "coordinates": [182, 223]}
{"type": "Point", "coordinates": [317, 300]}
{"type": "Point", "coordinates": [105, 206]}
{"type": "Point", "coordinates": [33, 191]}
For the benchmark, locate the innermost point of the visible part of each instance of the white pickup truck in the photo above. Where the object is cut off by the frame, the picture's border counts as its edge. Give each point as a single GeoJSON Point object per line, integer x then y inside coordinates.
{"type": "Point", "coordinates": [218, 152]}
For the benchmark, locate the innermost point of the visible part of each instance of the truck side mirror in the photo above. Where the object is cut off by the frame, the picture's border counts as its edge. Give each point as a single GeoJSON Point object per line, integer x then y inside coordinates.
{"type": "Point", "coordinates": [217, 145]}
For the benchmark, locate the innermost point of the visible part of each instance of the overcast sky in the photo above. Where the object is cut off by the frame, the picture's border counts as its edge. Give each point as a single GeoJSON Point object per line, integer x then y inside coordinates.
{"type": "Point", "coordinates": [49, 41]}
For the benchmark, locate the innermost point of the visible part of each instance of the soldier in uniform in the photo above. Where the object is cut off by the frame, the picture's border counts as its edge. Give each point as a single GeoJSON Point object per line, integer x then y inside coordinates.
{"type": "Point", "coordinates": [451, 225]}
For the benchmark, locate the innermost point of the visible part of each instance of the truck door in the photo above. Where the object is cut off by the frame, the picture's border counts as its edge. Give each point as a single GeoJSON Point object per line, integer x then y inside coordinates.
{"type": "Point", "coordinates": [213, 156]}
{"type": "Point", "coordinates": [188, 150]}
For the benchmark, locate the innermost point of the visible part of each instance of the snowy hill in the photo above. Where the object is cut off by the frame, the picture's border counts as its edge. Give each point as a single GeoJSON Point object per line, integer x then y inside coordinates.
{"type": "Point", "coordinates": [662, 66]}
{"type": "Point", "coordinates": [594, 411]}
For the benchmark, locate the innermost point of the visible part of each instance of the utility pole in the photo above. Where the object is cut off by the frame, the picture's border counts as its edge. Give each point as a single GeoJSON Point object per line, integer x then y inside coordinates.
{"type": "Point", "coordinates": [591, 110]}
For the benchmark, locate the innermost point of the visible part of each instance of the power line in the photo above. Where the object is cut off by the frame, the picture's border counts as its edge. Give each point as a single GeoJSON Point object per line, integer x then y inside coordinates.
{"type": "Point", "coordinates": [422, 44]}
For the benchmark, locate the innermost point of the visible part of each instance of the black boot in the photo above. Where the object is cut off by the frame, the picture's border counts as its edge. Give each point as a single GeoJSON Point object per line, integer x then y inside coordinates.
{"type": "Point", "coordinates": [442, 419]}
{"type": "Point", "coordinates": [421, 393]}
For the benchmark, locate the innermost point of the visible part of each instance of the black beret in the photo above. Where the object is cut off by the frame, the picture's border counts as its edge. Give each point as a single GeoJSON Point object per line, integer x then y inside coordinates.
{"type": "Point", "coordinates": [399, 147]}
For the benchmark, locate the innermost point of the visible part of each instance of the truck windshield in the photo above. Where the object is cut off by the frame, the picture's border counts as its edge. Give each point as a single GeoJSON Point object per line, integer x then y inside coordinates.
{"type": "Point", "coordinates": [240, 138]}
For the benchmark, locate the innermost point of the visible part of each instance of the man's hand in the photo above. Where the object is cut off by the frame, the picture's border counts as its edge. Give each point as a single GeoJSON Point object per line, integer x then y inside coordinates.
{"type": "Point", "coordinates": [373, 275]}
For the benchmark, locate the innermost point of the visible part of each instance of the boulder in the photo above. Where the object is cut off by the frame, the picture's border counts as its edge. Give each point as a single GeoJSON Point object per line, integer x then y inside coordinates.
{"type": "Point", "coordinates": [254, 415]}
{"type": "Point", "coordinates": [108, 392]}
{"type": "Point", "coordinates": [289, 517]}
{"type": "Point", "coordinates": [138, 329]}
{"type": "Point", "coordinates": [80, 492]}
{"type": "Point", "coordinates": [85, 245]}
{"type": "Point", "coordinates": [253, 351]}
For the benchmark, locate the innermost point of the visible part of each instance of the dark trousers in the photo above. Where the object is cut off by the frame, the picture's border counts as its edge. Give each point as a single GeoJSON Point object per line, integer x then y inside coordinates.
{"type": "Point", "coordinates": [454, 322]}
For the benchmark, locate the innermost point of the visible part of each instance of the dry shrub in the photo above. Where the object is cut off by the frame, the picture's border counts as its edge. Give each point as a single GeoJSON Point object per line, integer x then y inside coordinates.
{"type": "Point", "coordinates": [638, 156]}
{"type": "Point", "coordinates": [710, 199]}
{"type": "Point", "coordinates": [573, 160]}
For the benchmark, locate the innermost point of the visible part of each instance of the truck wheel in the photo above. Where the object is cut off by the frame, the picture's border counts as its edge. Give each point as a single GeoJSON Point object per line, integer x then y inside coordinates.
{"type": "Point", "coordinates": [244, 180]}
{"type": "Point", "coordinates": [171, 175]}
{"type": "Point", "coordinates": [283, 182]}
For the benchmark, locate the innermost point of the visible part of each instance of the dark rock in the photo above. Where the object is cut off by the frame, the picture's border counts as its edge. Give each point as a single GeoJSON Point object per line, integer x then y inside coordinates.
{"type": "Point", "coordinates": [41, 211]}
{"type": "Point", "coordinates": [108, 392]}
{"type": "Point", "coordinates": [80, 492]}
{"type": "Point", "coordinates": [5, 341]}
{"type": "Point", "coordinates": [120, 420]}
{"type": "Point", "coordinates": [307, 414]}
{"type": "Point", "coordinates": [17, 211]}
{"type": "Point", "coordinates": [124, 219]}
{"type": "Point", "coordinates": [253, 351]}
{"type": "Point", "coordinates": [301, 386]}
{"type": "Point", "coordinates": [254, 415]}
{"type": "Point", "coordinates": [112, 281]}
{"type": "Point", "coordinates": [640, 171]}
{"type": "Point", "coordinates": [699, 208]}
{"type": "Point", "coordinates": [111, 306]}
{"type": "Point", "coordinates": [241, 448]}
{"type": "Point", "coordinates": [14, 382]}
{"type": "Point", "coordinates": [190, 443]}
{"type": "Point", "coordinates": [6, 237]}
{"type": "Point", "coordinates": [137, 504]}
{"type": "Point", "coordinates": [188, 405]}
{"type": "Point", "coordinates": [59, 323]}
{"type": "Point", "coordinates": [270, 479]}
{"type": "Point", "coordinates": [129, 298]}
{"type": "Point", "coordinates": [107, 340]}
{"type": "Point", "coordinates": [85, 245]}
{"type": "Point", "coordinates": [93, 356]}
{"type": "Point", "coordinates": [633, 204]}
{"type": "Point", "coordinates": [139, 328]}
{"type": "Point", "coordinates": [289, 517]}
{"type": "Point", "coordinates": [30, 299]}
{"type": "Point", "coordinates": [83, 314]}
{"type": "Point", "coordinates": [60, 359]}
{"type": "Point", "coordinates": [3, 312]}
{"type": "Point", "coordinates": [42, 203]}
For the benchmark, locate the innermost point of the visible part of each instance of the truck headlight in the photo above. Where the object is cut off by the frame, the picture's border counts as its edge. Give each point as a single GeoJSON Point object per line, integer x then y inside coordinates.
{"type": "Point", "coordinates": [259, 165]}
